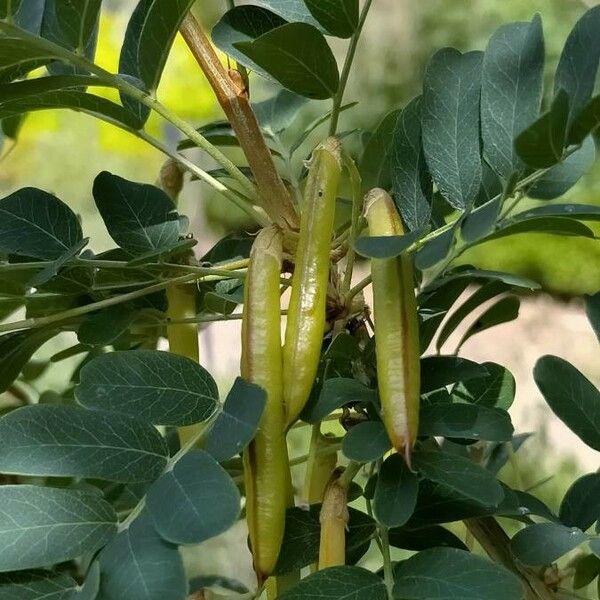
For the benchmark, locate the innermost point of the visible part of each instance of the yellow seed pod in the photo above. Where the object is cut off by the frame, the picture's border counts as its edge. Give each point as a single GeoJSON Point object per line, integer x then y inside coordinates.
{"type": "Point", "coordinates": [334, 521]}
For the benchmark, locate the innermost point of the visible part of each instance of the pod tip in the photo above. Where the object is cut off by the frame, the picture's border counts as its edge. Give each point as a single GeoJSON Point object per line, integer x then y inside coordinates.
{"type": "Point", "coordinates": [334, 146]}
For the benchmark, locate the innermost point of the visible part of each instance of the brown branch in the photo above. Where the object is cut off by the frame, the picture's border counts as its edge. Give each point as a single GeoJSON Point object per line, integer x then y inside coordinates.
{"type": "Point", "coordinates": [231, 93]}
{"type": "Point", "coordinates": [496, 543]}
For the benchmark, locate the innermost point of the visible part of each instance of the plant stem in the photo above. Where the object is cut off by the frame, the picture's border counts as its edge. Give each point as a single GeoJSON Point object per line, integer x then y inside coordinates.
{"type": "Point", "coordinates": [388, 575]}
{"type": "Point", "coordinates": [139, 95]}
{"type": "Point", "coordinates": [355, 181]}
{"type": "Point", "coordinates": [339, 97]}
{"type": "Point", "coordinates": [361, 285]}
{"type": "Point", "coordinates": [233, 98]}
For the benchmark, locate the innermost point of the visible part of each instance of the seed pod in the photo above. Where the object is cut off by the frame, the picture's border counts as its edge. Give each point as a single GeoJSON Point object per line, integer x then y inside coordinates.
{"type": "Point", "coordinates": [266, 467]}
{"type": "Point", "coordinates": [334, 520]}
{"type": "Point", "coordinates": [306, 311]}
{"type": "Point", "coordinates": [396, 328]}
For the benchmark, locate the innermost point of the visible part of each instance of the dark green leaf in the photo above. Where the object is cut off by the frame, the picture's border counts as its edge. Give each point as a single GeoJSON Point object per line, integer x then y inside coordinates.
{"type": "Point", "coordinates": [366, 442]}
{"type": "Point", "coordinates": [388, 246]}
{"type": "Point", "coordinates": [481, 275]}
{"type": "Point", "coordinates": [376, 162]}
{"type": "Point", "coordinates": [466, 421]}
{"type": "Point", "coordinates": [140, 561]}
{"type": "Point", "coordinates": [297, 56]}
{"type": "Point", "coordinates": [37, 585]}
{"type": "Point", "coordinates": [277, 113]}
{"type": "Point", "coordinates": [67, 441]}
{"type": "Point", "coordinates": [231, 247]}
{"type": "Point", "coordinates": [436, 250]}
{"type": "Point", "coordinates": [148, 39]}
{"type": "Point", "coordinates": [581, 505]}
{"type": "Point", "coordinates": [290, 10]}
{"type": "Point", "coordinates": [41, 526]}
{"type": "Point", "coordinates": [195, 501]}
{"type": "Point", "coordinates": [411, 181]}
{"type": "Point", "coordinates": [440, 371]}
{"type": "Point", "coordinates": [91, 586]}
{"type": "Point", "coordinates": [18, 57]}
{"type": "Point", "coordinates": [395, 493]}
{"type": "Point", "coordinates": [500, 454]}
{"type": "Point", "coordinates": [450, 122]}
{"type": "Point", "coordinates": [592, 309]}
{"type": "Point", "coordinates": [542, 144]}
{"type": "Point", "coordinates": [496, 389]}
{"type": "Point", "coordinates": [450, 574]}
{"type": "Point", "coordinates": [104, 327]}
{"type": "Point", "coordinates": [160, 387]}
{"type": "Point", "coordinates": [543, 543]}
{"type": "Point", "coordinates": [337, 392]}
{"type": "Point", "coordinates": [244, 24]}
{"type": "Point", "coordinates": [9, 7]}
{"type": "Point", "coordinates": [503, 311]}
{"type": "Point", "coordinates": [422, 539]}
{"type": "Point", "coordinates": [139, 217]}
{"type": "Point", "coordinates": [563, 176]}
{"type": "Point", "coordinates": [338, 583]}
{"type": "Point", "coordinates": [237, 423]}
{"type": "Point", "coordinates": [482, 295]}
{"type": "Point", "coordinates": [460, 475]}
{"type": "Point", "coordinates": [573, 398]}
{"type": "Point", "coordinates": [36, 224]}
{"type": "Point", "coordinates": [73, 25]}
{"type": "Point", "coordinates": [40, 85]}
{"type": "Point", "coordinates": [511, 91]}
{"type": "Point", "coordinates": [15, 351]}
{"type": "Point", "coordinates": [338, 17]}
{"type": "Point", "coordinates": [218, 133]}
{"type": "Point", "coordinates": [587, 568]}
{"type": "Point", "coordinates": [576, 71]}
{"type": "Point", "coordinates": [481, 221]}
{"type": "Point", "coordinates": [586, 122]}
{"type": "Point", "coordinates": [300, 546]}
{"type": "Point", "coordinates": [547, 225]}
{"type": "Point", "coordinates": [530, 505]}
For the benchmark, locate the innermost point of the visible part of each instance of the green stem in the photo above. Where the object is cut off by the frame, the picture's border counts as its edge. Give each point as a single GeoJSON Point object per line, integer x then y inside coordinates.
{"type": "Point", "coordinates": [388, 575]}
{"type": "Point", "coordinates": [359, 287]}
{"type": "Point", "coordinates": [339, 97]}
{"type": "Point", "coordinates": [141, 96]}
{"type": "Point", "coordinates": [355, 181]}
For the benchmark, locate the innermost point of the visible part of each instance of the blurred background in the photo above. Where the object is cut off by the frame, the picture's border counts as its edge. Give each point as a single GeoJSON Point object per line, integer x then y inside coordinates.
{"type": "Point", "coordinates": [63, 151]}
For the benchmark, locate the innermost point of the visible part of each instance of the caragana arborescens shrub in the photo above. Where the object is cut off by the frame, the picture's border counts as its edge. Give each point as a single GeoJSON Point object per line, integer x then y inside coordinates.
{"type": "Point", "coordinates": [139, 456]}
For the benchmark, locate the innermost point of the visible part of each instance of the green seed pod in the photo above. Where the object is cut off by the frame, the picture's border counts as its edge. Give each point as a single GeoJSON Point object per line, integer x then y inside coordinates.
{"type": "Point", "coordinates": [306, 312]}
{"type": "Point", "coordinates": [396, 328]}
{"type": "Point", "coordinates": [334, 521]}
{"type": "Point", "coordinates": [266, 467]}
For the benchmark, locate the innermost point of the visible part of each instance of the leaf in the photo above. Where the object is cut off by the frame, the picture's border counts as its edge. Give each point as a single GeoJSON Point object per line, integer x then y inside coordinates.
{"type": "Point", "coordinates": [511, 91]}
{"type": "Point", "coordinates": [481, 296]}
{"type": "Point", "coordinates": [587, 568]}
{"type": "Point", "coordinates": [544, 543]}
{"type": "Point", "coordinates": [72, 25]}
{"type": "Point", "coordinates": [440, 371]}
{"type": "Point", "coordinates": [37, 585]}
{"type": "Point", "coordinates": [290, 10]}
{"type": "Point", "coordinates": [195, 501]}
{"type": "Point", "coordinates": [139, 217]}
{"type": "Point", "coordinates": [449, 574]}
{"type": "Point", "coordinates": [450, 124]}
{"type": "Point", "coordinates": [298, 57]}
{"type": "Point", "coordinates": [571, 396]}
{"type": "Point", "coordinates": [238, 421]}
{"type": "Point", "coordinates": [581, 505]}
{"type": "Point", "coordinates": [66, 441]}
{"type": "Point", "coordinates": [482, 275]}
{"type": "Point", "coordinates": [436, 250]}
{"type": "Point", "coordinates": [466, 421]}
{"type": "Point", "coordinates": [586, 122]}
{"type": "Point", "coordinates": [497, 389]}
{"type": "Point", "coordinates": [481, 221]}
{"type": "Point", "coordinates": [91, 586]}
{"type": "Point", "coordinates": [562, 177]}
{"type": "Point", "coordinates": [460, 475]}
{"type": "Point", "coordinates": [592, 309]}
{"type": "Point", "coordinates": [277, 113]}
{"type": "Point", "coordinates": [18, 57]}
{"type": "Point", "coordinates": [335, 393]}
{"type": "Point", "coordinates": [159, 387]}
{"type": "Point", "coordinates": [36, 224]}
{"type": "Point", "coordinates": [395, 493]}
{"type": "Point", "coordinates": [300, 546]}
{"type": "Point", "coordinates": [542, 144]}
{"type": "Point", "coordinates": [245, 24]}
{"type": "Point", "coordinates": [41, 526]}
{"type": "Point", "coordinates": [411, 182]}
{"type": "Point", "coordinates": [139, 561]}
{"type": "Point", "coordinates": [15, 351]}
{"type": "Point", "coordinates": [338, 583]}
{"type": "Point", "coordinates": [422, 539]}
{"type": "Point", "coordinates": [547, 225]}
{"type": "Point", "coordinates": [338, 17]}
{"type": "Point", "coordinates": [503, 311]}
{"type": "Point", "coordinates": [104, 327]}
{"type": "Point", "coordinates": [366, 442]}
{"type": "Point", "coordinates": [500, 454]}
{"type": "Point", "coordinates": [388, 246]}
{"type": "Point", "coordinates": [578, 64]}
{"type": "Point", "coordinates": [375, 164]}
{"type": "Point", "coordinates": [148, 39]}
{"type": "Point", "coordinates": [9, 8]}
